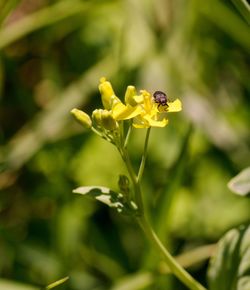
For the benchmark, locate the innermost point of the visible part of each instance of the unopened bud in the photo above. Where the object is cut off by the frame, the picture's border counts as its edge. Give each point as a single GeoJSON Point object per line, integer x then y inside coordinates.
{"type": "Point", "coordinates": [82, 118]}
{"type": "Point", "coordinates": [123, 183]}
{"type": "Point", "coordinates": [103, 118]}
{"type": "Point", "coordinates": [108, 122]}
{"type": "Point", "coordinates": [107, 94]}
{"type": "Point", "coordinates": [97, 117]}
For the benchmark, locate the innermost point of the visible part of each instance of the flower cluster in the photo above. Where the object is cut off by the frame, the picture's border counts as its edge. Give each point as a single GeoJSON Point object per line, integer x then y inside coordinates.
{"type": "Point", "coordinates": [143, 109]}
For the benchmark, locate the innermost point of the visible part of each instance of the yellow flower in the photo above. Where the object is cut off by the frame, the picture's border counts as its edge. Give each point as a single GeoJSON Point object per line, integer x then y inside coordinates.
{"type": "Point", "coordinates": [153, 114]}
{"type": "Point", "coordinates": [142, 108]}
{"type": "Point", "coordinates": [112, 102]}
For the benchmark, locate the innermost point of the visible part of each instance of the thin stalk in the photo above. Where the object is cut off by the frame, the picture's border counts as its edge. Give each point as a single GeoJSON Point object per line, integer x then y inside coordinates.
{"type": "Point", "coordinates": [137, 189]}
{"type": "Point", "coordinates": [121, 134]}
{"type": "Point", "coordinates": [128, 135]}
{"type": "Point", "coordinates": [175, 268]}
{"type": "Point", "coordinates": [136, 179]}
{"type": "Point", "coordinates": [55, 284]}
{"type": "Point", "coordinates": [144, 156]}
{"type": "Point", "coordinates": [96, 132]}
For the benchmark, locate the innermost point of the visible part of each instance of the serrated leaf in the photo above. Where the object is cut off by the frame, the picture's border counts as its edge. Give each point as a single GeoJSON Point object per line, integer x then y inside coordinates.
{"type": "Point", "coordinates": [230, 266]}
{"type": "Point", "coordinates": [102, 194]}
{"type": "Point", "coordinates": [240, 184]}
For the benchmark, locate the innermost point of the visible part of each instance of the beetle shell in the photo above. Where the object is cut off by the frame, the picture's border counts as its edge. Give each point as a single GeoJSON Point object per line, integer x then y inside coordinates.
{"type": "Point", "coordinates": [160, 98]}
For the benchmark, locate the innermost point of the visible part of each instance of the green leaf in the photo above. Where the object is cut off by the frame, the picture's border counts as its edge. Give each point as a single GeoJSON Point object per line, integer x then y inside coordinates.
{"type": "Point", "coordinates": [230, 267]}
{"type": "Point", "coordinates": [103, 194]}
{"type": "Point", "coordinates": [240, 184]}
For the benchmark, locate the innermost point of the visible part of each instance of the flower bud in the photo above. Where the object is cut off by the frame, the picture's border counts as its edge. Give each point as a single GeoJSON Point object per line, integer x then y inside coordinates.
{"type": "Point", "coordinates": [108, 122]}
{"type": "Point", "coordinates": [107, 93]}
{"type": "Point", "coordinates": [97, 117]}
{"type": "Point", "coordinates": [129, 96]}
{"type": "Point", "coordinates": [103, 118]}
{"type": "Point", "coordinates": [82, 118]}
{"type": "Point", "coordinates": [123, 183]}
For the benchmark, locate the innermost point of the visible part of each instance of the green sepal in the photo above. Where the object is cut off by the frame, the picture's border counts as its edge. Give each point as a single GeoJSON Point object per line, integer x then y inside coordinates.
{"type": "Point", "coordinates": [230, 266]}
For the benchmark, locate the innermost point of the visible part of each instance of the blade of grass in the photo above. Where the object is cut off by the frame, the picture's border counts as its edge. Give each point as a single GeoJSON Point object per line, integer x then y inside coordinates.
{"type": "Point", "coordinates": [6, 8]}
{"type": "Point", "coordinates": [226, 20]}
{"type": "Point", "coordinates": [244, 8]}
{"type": "Point", "coordinates": [177, 172]}
{"type": "Point", "coordinates": [57, 283]}
{"type": "Point", "coordinates": [39, 19]}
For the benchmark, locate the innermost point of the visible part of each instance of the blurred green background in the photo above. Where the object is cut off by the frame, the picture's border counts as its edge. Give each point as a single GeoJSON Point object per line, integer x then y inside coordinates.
{"type": "Point", "coordinates": [52, 54]}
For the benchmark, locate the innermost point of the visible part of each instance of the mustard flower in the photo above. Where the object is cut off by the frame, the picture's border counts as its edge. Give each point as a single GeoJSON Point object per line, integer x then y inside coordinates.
{"type": "Point", "coordinates": [145, 110]}
{"type": "Point", "coordinates": [111, 102]}
{"type": "Point", "coordinates": [154, 110]}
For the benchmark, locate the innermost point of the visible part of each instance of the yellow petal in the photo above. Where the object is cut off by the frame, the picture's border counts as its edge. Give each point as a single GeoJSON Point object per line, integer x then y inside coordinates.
{"type": "Point", "coordinates": [140, 122]}
{"type": "Point", "coordinates": [155, 123]}
{"type": "Point", "coordinates": [122, 112]}
{"type": "Point", "coordinates": [146, 122]}
{"type": "Point", "coordinates": [129, 96]}
{"type": "Point", "coordinates": [174, 106]}
{"type": "Point", "coordinates": [140, 126]}
{"type": "Point", "coordinates": [139, 99]}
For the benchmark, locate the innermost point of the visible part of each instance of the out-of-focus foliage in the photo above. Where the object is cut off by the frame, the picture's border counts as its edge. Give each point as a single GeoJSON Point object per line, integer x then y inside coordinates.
{"type": "Point", "coordinates": [240, 184]}
{"type": "Point", "coordinates": [52, 56]}
{"type": "Point", "coordinates": [230, 266]}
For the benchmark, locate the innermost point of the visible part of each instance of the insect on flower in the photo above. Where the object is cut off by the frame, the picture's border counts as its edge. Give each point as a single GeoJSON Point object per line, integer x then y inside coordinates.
{"type": "Point", "coordinates": [160, 98]}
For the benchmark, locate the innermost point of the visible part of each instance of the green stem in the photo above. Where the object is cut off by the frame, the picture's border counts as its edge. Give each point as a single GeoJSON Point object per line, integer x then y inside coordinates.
{"type": "Point", "coordinates": [127, 136]}
{"type": "Point", "coordinates": [175, 268]}
{"type": "Point", "coordinates": [144, 156]}
{"type": "Point", "coordinates": [96, 131]}
{"type": "Point", "coordinates": [137, 189]}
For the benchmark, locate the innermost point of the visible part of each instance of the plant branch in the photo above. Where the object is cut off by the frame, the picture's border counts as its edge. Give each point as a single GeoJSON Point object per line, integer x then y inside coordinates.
{"type": "Point", "coordinates": [128, 135]}
{"type": "Point", "coordinates": [144, 156]}
{"type": "Point", "coordinates": [175, 268]}
{"type": "Point", "coordinates": [137, 189]}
